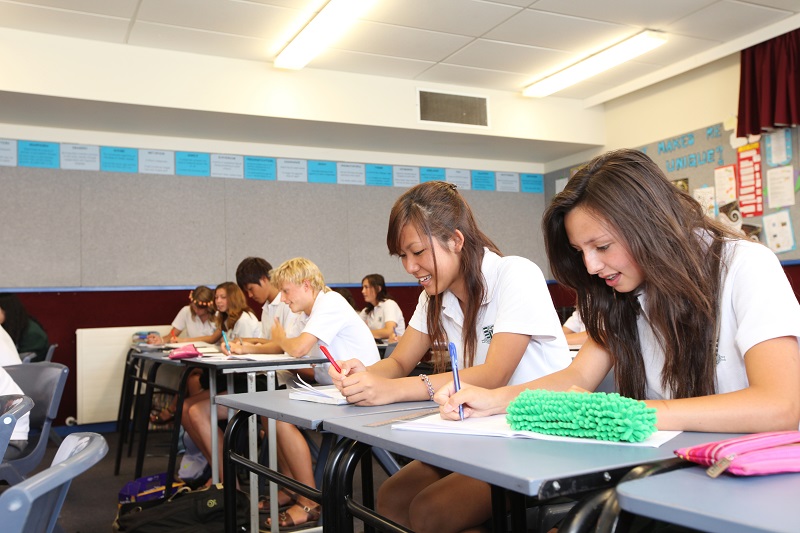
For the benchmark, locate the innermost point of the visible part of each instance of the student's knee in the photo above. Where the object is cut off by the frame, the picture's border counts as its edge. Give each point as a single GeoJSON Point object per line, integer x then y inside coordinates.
{"type": "Point", "coordinates": [388, 503]}
{"type": "Point", "coordinates": [425, 514]}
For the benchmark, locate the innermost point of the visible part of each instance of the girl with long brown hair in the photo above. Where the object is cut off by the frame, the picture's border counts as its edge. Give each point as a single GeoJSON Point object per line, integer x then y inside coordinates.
{"type": "Point", "coordinates": [497, 312]}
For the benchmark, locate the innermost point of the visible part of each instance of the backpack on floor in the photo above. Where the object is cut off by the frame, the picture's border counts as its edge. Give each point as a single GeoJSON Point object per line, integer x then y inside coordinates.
{"type": "Point", "coordinates": [186, 511]}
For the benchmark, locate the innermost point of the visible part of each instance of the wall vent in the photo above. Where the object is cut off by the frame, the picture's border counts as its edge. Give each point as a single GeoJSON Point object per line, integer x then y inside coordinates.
{"type": "Point", "coordinates": [453, 109]}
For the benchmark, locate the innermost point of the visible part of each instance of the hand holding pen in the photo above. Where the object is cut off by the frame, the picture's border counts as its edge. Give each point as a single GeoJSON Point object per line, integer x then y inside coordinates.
{"type": "Point", "coordinates": [456, 381]}
{"type": "Point", "coordinates": [227, 344]}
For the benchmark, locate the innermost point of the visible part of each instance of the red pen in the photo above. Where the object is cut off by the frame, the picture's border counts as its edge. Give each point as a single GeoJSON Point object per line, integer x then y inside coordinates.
{"type": "Point", "coordinates": [330, 358]}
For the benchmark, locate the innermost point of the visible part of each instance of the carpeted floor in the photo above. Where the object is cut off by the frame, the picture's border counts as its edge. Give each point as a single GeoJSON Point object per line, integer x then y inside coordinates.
{"type": "Point", "coordinates": [91, 503]}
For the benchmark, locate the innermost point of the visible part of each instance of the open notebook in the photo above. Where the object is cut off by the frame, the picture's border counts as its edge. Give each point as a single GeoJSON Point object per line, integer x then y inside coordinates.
{"type": "Point", "coordinates": [328, 394]}
{"type": "Point", "coordinates": [496, 426]}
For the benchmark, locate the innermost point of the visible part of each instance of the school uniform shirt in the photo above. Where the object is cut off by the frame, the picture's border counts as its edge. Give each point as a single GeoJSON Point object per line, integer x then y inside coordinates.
{"type": "Point", "coordinates": [339, 328]}
{"type": "Point", "coordinates": [385, 311]}
{"type": "Point", "coordinates": [248, 326]}
{"type": "Point", "coordinates": [192, 326]}
{"type": "Point", "coordinates": [516, 301]}
{"type": "Point", "coordinates": [276, 309]}
{"type": "Point", "coordinates": [8, 386]}
{"type": "Point", "coordinates": [8, 351]}
{"type": "Point", "coordinates": [747, 316]}
{"type": "Point", "coordinates": [574, 323]}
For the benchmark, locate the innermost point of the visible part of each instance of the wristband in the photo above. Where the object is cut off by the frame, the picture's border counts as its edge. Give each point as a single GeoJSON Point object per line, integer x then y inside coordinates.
{"type": "Point", "coordinates": [427, 382]}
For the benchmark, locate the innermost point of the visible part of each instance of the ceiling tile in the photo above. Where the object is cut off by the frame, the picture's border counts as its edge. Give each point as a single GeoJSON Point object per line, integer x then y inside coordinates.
{"type": "Point", "coordinates": [559, 32]}
{"type": "Point", "coordinates": [495, 55]}
{"type": "Point", "coordinates": [117, 8]}
{"type": "Point", "coordinates": [473, 77]}
{"type": "Point", "coordinates": [677, 48]}
{"type": "Point", "coordinates": [374, 65]}
{"type": "Point", "coordinates": [66, 23]}
{"type": "Point", "coordinates": [236, 18]}
{"type": "Point", "coordinates": [396, 41]}
{"type": "Point", "coordinates": [518, 3]}
{"type": "Point", "coordinates": [460, 17]}
{"type": "Point", "coordinates": [198, 42]}
{"type": "Point", "coordinates": [643, 14]}
{"type": "Point", "coordinates": [726, 20]}
{"type": "Point", "coordinates": [787, 5]}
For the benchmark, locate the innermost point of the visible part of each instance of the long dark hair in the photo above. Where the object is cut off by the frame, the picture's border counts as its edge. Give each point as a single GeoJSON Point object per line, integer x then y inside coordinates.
{"type": "Point", "coordinates": [679, 251]}
{"type": "Point", "coordinates": [17, 317]}
{"type": "Point", "coordinates": [237, 306]}
{"type": "Point", "coordinates": [376, 280]}
{"type": "Point", "coordinates": [436, 209]}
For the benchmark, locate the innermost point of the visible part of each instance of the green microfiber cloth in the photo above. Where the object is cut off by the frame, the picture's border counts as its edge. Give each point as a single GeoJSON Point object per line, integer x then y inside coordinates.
{"type": "Point", "coordinates": [594, 415]}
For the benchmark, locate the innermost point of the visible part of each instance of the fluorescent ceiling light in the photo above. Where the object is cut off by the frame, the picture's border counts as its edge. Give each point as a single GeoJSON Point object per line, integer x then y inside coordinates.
{"type": "Point", "coordinates": [599, 62]}
{"type": "Point", "coordinates": [324, 29]}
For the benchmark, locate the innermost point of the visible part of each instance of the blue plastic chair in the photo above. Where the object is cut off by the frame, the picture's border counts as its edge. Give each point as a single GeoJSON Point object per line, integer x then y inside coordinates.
{"type": "Point", "coordinates": [13, 407]}
{"type": "Point", "coordinates": [33, 505]}
{"type": "Point", "coordinates": [44, 384]}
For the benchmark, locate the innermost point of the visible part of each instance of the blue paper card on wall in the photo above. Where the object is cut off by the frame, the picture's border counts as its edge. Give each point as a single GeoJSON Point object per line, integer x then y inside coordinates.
{"type": "Point", "coordinates": [483, 180]}
{"type": "Point", "coordinates": [431, 174]}
{"type": "Point", "coordinates": [38, 154]}
{"type": "Point", "coordinates": [533, 183]}
{"type": "Point", "coordinates": [322, 172]}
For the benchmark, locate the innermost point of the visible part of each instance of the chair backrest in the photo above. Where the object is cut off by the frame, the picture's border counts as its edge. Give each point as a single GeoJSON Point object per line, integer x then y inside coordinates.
{"type": "Point", "coordinates": [33, 505]}
{"type": "Point", "coordinates": [44, 384]}
{"type": "Point", "coordinates": [28, 357]}
{"type": "Point", "coordinates": [12, 407]}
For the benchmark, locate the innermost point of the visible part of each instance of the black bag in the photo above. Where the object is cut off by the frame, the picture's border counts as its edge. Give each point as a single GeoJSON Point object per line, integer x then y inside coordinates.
{"type": "Point", "coordinates": [186, 511]}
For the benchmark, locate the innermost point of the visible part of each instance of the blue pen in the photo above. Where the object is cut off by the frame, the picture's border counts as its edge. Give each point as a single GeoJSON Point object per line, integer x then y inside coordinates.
{"type": "Point", "coordinates": [227, 345]}
{"type": "Point", "coordinates": [456, 381]}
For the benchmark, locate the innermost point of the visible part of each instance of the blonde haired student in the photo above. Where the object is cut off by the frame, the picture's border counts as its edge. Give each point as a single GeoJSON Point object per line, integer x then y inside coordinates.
{"type": "Point", "coordinates": [495, 309]}
{"type": "Point", "coordinates": [330, 321]}
{"type": "Point", "coordinates": [672, 301]}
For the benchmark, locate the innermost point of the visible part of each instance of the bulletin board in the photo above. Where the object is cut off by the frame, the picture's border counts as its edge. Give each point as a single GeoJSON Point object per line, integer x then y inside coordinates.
{"type": "Point", "coordinates": [749, 183]}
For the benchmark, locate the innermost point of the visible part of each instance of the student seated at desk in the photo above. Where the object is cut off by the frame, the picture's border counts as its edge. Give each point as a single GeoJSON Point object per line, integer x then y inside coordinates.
{"type": "Point", "coordinates": [329, 321]}
{"type": "Point", "coordinates": [8, 352]}
{"type": "Point", "coordinates": [382, 314]}
{"type": "Point", "coordinates": [672, 300]}
{"type": "Point", "coordinates": [25, 331]}
{"type": "Point", "coordinates": [497, 312]}
{"type": "Point", "coordinates": [193, 323]}
{"type": "Point", "coordinates": [574, 329]}
{"type": "Point", "coordinates": [235, 318]}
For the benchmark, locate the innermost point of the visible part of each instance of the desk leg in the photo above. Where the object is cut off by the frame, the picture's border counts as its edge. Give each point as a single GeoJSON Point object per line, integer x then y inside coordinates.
{"type": "Point", "coordinates": [124, 414]}
{"type": "Point", "coordinates": [332, 499]}
{"type": "Point", "coordinates": [212, 395]}
{"type": "Point", "coordinates": [252, 450]}
{"type": "Point", "coordinates": [273, 460]}
{"type": "Point", "coordinates": [176, 431]}
{"type": "Point", "coordinates": [229, 485]}
{"type": "Point", "coordinates": [145, 417]}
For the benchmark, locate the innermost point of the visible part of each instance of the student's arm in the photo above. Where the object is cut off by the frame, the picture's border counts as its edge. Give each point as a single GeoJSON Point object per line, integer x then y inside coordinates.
{"type": "Point", "coordinates": [240, 347]}
{"type": "Point", "coordinates": [574, 337]}
{"type": "Point", "coordinates": [770, 403]}
{"type": "Point", "coordinates": [295, 346]}
{"type": "Point", "coordinates": [587, 371]}
{"type": "Point", "coordinates": [377, 386]}
{"type": "Point", "coordinates": [209, 339]}
{"type": "Point", "coordinates": [384, 332]}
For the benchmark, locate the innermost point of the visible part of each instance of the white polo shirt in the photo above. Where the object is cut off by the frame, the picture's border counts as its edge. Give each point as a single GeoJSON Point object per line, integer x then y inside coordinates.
{"type": "Point", "coordinates": [516, 301]}
{"type": "Point", "coordinates": [192, 326]}
{"type": "Point", "coordinates": [276, 309]}
{"type": "Point", "coordinates": [385, 311]}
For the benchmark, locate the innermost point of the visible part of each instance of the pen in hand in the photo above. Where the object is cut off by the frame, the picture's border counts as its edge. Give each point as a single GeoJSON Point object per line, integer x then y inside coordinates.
{"type": "Point", "coordinates": [456, 381]}
{"type": "Point", "coordinates": [227, 344]}
{"type": "Point", "coordinates": [330, 358]}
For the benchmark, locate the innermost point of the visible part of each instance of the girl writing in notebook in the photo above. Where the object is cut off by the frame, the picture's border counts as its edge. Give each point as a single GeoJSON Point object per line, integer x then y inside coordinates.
{"type": "Point", "coordinates": [498, 313]}
{"type": "Point", "coordinates": [672, 300]}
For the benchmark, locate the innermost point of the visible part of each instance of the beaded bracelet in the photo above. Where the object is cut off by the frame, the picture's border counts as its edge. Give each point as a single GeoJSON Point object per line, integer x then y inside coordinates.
{"type": "Point", "coordinates": [427, 382]}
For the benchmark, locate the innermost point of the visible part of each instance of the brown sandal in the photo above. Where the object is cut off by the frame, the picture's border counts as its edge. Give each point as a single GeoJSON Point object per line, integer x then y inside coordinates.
{"type": "Point", "coordinates": [286, 522]}
{"type": "Point", "coordinates": [263, 502]}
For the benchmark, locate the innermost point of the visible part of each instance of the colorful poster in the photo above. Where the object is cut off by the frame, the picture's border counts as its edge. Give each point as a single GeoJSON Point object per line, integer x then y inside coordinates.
{"type": "Point", "coordinates": [707, 199]}
{"type": "Point", "coordinates": [431, 174]}
{"type": "Point", "coordinates": [379, 175]}
{"type": "Point", "coordinates": [192, 164]}
{"type": "Point", "coordinates": [779, 232]}
{"type": "Point", "coordinates": [37, 154]}
{"type": "Point", "coordinates": [321, 172]}
{"type": "Point", "coordinates": [725, 184]}
{"type": "Point", "coordinates": [532, 183]}
{"type": "Point", "coordinates": [483, 180]}
{"type": "Point", "coordinates": [116, 159]}
{"type": "Point", "coordinates": [750, 190]}
{"type": "Point", "coordinates": [778, 147]}
{"type": "Point", "coordinates": [780, 187]}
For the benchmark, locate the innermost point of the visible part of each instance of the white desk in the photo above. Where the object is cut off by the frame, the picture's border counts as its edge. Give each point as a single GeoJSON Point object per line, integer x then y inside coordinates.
{"type": "Point", "coordinates": [528, 467]}
{"type": "Point", "coordinates": [727, 504]}
{"type": "Point", "coordinates": [276, 405]}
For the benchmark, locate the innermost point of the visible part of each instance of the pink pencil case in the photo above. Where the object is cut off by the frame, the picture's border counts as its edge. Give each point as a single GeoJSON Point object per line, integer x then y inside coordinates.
{"type": "Point", "coordinates": [757, 454]}
{"type": "Point", "coordinates": [184, 352]}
